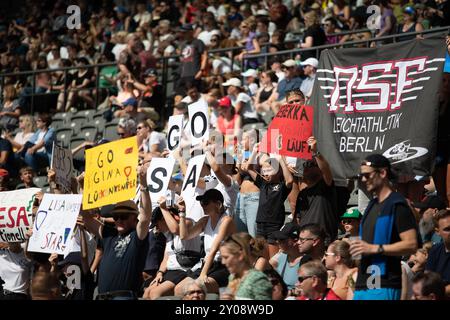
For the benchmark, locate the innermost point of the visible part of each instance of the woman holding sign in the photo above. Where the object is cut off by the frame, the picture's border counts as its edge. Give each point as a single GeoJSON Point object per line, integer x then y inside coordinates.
{"type": "Point", "coordinates": [216, 226]}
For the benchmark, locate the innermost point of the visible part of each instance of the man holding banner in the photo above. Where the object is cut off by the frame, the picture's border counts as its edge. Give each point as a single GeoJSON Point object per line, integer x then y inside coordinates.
{"type": "Point", "coordinates": [125, 246]}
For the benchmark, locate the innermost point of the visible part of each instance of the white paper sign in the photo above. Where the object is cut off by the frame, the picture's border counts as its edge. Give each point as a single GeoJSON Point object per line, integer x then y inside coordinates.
{"type": "Point", "coordinates": [175, 128]}
{"type": "Point", "coordinates": [54, 223]}
{"type": "Point", "coordinates": [158, 177]}
{"type": "Point", "coordinates": [199, 121]}
{"type": "Point", "coordinates": [62, 164]}
{"type": "Point", "coordinates": [192, 175]}
{"type": "Point", "coordinates": [16, 214]}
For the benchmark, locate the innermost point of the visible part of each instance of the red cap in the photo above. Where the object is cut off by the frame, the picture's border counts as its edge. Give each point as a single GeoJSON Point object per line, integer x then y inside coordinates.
{"type": "Point", "coordinates": [4, 173]}
{"type": "Point", "coordinates": [225, 102]}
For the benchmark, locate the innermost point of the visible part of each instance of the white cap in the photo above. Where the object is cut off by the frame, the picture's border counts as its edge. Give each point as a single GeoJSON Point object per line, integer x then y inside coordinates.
{"type": "Point", "coordinates": [311, 62]}
{"type": "Point", "coordinates": [232, 82]}
{"type": "Point", "coordinates": [262, 12]}
{"type": "Point", "coordinates": [250, 73]}
{"type": "Point", "coordinates": [290, 63]}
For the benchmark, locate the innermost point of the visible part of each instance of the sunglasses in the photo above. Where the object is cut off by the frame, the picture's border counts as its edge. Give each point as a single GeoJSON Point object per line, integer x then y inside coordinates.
{"type": "Point", "coordinates": [139, 128]}
{"type": "Point", "coordinates": [301, 279]}
{"type": "Point", "coordinates": [230, 238]}
{"type": "Point", "coordinates": [347, 221]}
{"type": "Point", "coordinates": [121, 217]}
{"type": "Point", "coordinates": [366, 175]}
{"type": "Point", "coordinates": [121, 134]}
{"type": "Point", "coordinates": [329, 254]}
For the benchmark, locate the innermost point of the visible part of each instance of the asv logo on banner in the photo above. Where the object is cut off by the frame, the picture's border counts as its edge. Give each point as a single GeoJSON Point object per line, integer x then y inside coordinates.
{"type": "Point", "coordinates": [390, 82]}
{"type": "Point", "coordinates": [403, 151]}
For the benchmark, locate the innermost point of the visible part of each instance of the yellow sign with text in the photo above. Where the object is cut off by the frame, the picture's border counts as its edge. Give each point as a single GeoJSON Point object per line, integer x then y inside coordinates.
{"type": "Point", "coordinates": [110, 174]}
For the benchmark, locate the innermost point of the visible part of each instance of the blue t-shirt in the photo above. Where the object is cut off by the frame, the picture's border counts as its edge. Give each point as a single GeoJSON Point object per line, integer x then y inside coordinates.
{"type": "Point", "coordinates": [286, 85]}
{"type": "Point", "coordinates": [287, 272]}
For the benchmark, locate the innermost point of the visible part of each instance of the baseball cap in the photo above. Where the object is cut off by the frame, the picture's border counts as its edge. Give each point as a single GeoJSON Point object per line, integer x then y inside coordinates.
{"type": "Point", "coordinates": [130, 102]}
{"type": "Point", "coordinates": [250, 73]}
{"type": "Point", "coordinates": [225, 102]}
{"type": "Point", "coordinates": [232, 82]}
{"type": "Point", "coordinates": [150, 72]}
{"type": "Point", "coordinates": [181, 106]}
{"type": "Point", "coordinates": [352, 213]}
{"type": "Point", "coordinates": [289, 63]}
{"type": "Point", "coordinates": [262, 12]}
{"type": "Point", "coordinates": [289, 230]}
{"type": "Point", "coordinates": [157, 215]}
{"type": "Point", "coordinates": [186, 27]}
{"type": "Point", "coordinates": [4, 173]}
{"type": "Point", "coordinates": [409, 10]}
{"type": "Point", "coordinates": [377, 161]}
{"type": "Point", "coordinates": [211, 194]}
{"type": "Point", "coordinates": [430, 202]}
{"type": "Point", "coordinates": [310, 62]}
{"type": "Point", "coordinates": [127, 206]}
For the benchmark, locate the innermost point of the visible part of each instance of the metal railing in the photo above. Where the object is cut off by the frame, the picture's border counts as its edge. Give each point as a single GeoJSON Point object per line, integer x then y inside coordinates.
{"type": "Point", "coordinates": [166, 66]}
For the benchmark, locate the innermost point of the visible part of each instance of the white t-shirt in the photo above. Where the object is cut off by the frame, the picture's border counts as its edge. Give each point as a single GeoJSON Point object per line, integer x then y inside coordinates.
{"type": "Point", "coordinates": [218, 12]}
{"type": "Point", "coordinates": [118, 48]}
{"type": "Point", "coordinates": [205, 36]}
{"type": "Point", "coordinates": [142, 18]}
{"type": "Point", "coordinates": [229, 195]}
{"type": "Point", "coordinates": [159, 139]}
{"type": "Point", "coordinates": [15, 270]}
{"type": "Point", "coordinates": [248, 111]}
{"type": "Point", "coordinates": [179, 245]}
{"type": "Point", "coordinates": [22, 138]}
{"type": "Point", "coordinates": [210, 236]}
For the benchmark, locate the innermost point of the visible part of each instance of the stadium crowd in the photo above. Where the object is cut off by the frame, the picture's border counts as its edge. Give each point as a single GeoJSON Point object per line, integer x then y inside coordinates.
{"type": "Point", "coordinates": [260, 228]}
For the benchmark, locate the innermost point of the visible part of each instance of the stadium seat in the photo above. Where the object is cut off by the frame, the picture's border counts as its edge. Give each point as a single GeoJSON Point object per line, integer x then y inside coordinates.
{"type": "Point", "coordinates": [40, 181]}
{"type": "Point", "coordinates": [57, 124]}
{"type": "Point", "coordinates": [75, 142]}
{"type": "Point", "coordinates": [88, 133]}
{"type": "Point", "coordinates": [63, 136]}
{"type": "Point", "coordinates": [110, 132]}
{"type": "Point", "coordinates": [99, 123]}
{"type": "Point", "coordinates": [77, 122]}
{"type": "Point", "coordinates": [88, 114]}
{"type": "Point", "coordinates": [65, 116]}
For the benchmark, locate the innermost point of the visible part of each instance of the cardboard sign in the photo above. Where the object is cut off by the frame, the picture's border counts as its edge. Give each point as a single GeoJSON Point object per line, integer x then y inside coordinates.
{"type": "Point", "coordinates": [158, 177]}
{"type": "Point", "coordinates": [198, 121]}
{"type": "Point", "coordinates": [16, 214]}
{"type": "Point", "coordinates": [192, 175]}
{"type": "Point", "coordinates": [288, 132]}
{"type": "Point", "coordinates": [54, 223]}
{"type": "Point", "coordinates": [175, 127]}
{"type": "Point", "coordinates": [110, 175]}
{"type": "Point", "coordinates": [62, 164]}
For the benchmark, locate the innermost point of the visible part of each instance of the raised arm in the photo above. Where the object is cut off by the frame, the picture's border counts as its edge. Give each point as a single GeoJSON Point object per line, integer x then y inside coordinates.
{"type": "Point", "coordinates": [145, 209]}
{"type": "Point", "coordinates": [321, 162]}
{"type": "Point", "coordinates": [187, 230]}
{"type": "Point", "coordinates": [286, 172]}
{"type": "Point", "coordinates": [217, 168]}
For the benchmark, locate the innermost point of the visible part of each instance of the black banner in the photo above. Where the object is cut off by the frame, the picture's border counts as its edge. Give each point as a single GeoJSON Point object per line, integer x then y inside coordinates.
{"type": "Point", "coordinates": [379, 100]}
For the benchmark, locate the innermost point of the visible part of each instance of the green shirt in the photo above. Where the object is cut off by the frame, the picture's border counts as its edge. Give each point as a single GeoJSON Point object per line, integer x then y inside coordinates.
{"type": "Point", "coordinates": [109, 72]}
{"type": "Point", "coordinates": [254, 286]}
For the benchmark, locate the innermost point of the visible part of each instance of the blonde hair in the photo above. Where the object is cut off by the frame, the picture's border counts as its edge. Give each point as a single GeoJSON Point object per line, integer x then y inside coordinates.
{"type": "Point", "coordinates": [10, 92]}
{"type": "Point", "coordinates": [310, 18]}
{"type": "Point", "coordinates": [30, 125]}
{"type": "Point", "coordinates": [342, 249]}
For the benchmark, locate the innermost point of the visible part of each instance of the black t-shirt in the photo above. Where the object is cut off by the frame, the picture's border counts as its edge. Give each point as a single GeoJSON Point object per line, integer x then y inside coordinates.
{"type": "Point", "coordinates": [79, 79]}
{"type": "Point", "coordinates": [271, 201]}
{"type": "Point", "coordinates": [404, 220]}
{"type": "Point", "coordinates": [318, 204]}
{"type": "Point", "coordinates": [191, 58]}
{"type": "Point", "coordinates": [122, 262]}
{"type": "Point", "coordinates": [86, 291]}
{"type": "Point", "coordinates": [5, 145]}
{"type": "Point", "coordinates": [319, 38]}
{"type": "Point", "coordinates": [439, 261]}
{"type": "Point", "coordinates": [157, 245]}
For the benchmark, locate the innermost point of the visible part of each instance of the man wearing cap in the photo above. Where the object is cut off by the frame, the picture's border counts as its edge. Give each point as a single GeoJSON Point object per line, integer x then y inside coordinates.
{"type": "Point", "coordinates": [193, 59]}
{"type": "Point", "coordinates": [250, 77]}
{"type": "Point", "coordinates": [428, 209]}
{"type": "Point", "coordinates": [291, 81]}
{"type": "Point", "coordinates": [130, 110]}
{"type": "Point", "coordinates": [152, 92]}
{"type": "Point", "coordinates": [125, 246]}
{"type": "Point", "coordinates": [287, 261]}
{"type": "Point", "coordinates": [309, 69]}
{"type": "Point", "coordinates": [350, 221]}
{"type": "Point", "coordinates": [388, 232]}
{"type": "Point", "coordinates": [241, 101]}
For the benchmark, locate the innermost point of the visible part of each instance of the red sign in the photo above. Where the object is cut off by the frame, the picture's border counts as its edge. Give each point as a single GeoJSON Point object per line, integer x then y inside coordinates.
{"type": "Point", "coordinates": [288, 132]}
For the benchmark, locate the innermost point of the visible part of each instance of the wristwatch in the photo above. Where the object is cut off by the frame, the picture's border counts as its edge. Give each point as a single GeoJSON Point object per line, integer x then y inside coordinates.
{"type": "Point", "coordinates": [316, 154]}
{"type": "Point", "coordinates": [380, 249]}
